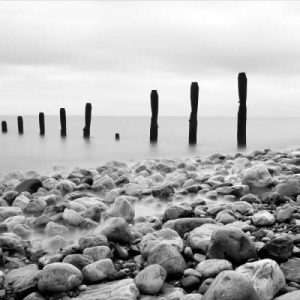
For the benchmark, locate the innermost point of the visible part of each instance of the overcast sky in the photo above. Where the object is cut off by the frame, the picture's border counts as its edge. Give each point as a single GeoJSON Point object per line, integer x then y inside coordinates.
{"type": "Point", "coordinates": [63, 54]}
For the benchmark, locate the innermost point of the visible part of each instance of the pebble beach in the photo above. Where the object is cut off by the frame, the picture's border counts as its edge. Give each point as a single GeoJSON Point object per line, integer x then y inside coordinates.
{"type": "Point", "coordinates": [223, 227]}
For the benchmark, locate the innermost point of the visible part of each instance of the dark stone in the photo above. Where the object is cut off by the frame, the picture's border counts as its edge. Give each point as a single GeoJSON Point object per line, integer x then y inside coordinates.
{"type": "Point", "coordinates": [78, 260]}
{"type": "Point", "coordinates": [163, 192]}
{"type": "Point", "coordinates": [279, 249]}
{"type": "Point", "coordinates": [29, 185]}
{"type": "Point", "coordinates": [205, 285]}
{"type": "Point", "coordinates": [274, 199]}
{"type": "Point", "coordinates": [88, 180]}
{"type": "Point", "coordinates": [190, 283]}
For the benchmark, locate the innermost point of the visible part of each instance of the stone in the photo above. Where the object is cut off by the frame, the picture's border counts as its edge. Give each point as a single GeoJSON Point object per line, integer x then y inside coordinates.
{"type": "Point", "coordinates": [23, 280]}
{"type": "Point", "coordinates": [291, 270]}
{"type": "Point", "coordinates": [190, 283]}
{"type": "Point", "coordinates": [122, 208]}
{"type": "Point", "coordinates": [71, 217]}
{"type": "Point", "coordinates": [231, 285]}
{"type": "Point", "coordinates": [98, 252]}
{"type": "Point", "coordinates": [166, 235]}
{"type": "Point", "coordinates": [163, 192]}
{"type": "Point", "coordinates": [98, 270]}
{"type": "Point", "coordinates": [29, 185]}
{"type": "Point", "coordinates": [59, 277]}
{"type": "Point", "coordinates": [115, 229]}
{"type": "Point", "coordinates": [263, 218]}
{"type": "Point", "coordinates": [124, 289]}
{"type": "Point", "coordinates": [291, 188]}
{"type": "Point", "coordinates": [250, 198]}
{"type": "Point", "coordinates": [212, 267]}
{"type": "Point", "coordinates": [66, 186]}
{"type": "Point", "coordinates": [103, 183]}
{"type": "Point", "coordinates": [205, 285]}
{"type": "Point", "coordinates": [150, 280]}
{"type": "Point", "coordinates": [280, 248]}
{"type": "Point", "coordinates": [36, 207]}
{"type": "Point", "coordinates": [192, 296]}
{"type": "Point", "coordinates": [199, 238]}
{"type": "Point", "coordinates": [50, 184]}
{"type": "Point", "coordinates": [34, 296]}
{"type": "Point", "coordinates": [274, 198]}
{"type": "Point", "coordinates": [257, 176]}
{"type": "Point", "coordinates": [7, 211]}
{"type": "Point", "coordinates": [10, 196]}
{"type": "Point", "coordinates": [265, 276]}
{"type": "Point", "coordinates": [232, 244]}
{"type": "Point", "coordinates": [53, 229]}
{"type": "Point", "coordinates": [289, 296]}
{"type": "Point", "coordinates": [243, 207]}
{"type": "Point", "coordinates": [176, 212]}
{"type": "Point", "coordinates": [78, 260]}
{"type": "Point", "coordinates": [226, 216]}
{"type": "Point", "coordinates": [92, 240]}
{"type": "Point", "coordinates": [168, 257]}
{"type": "Point", "coordinates": [21, 201]}
{"type": "Point", "coordinates": [284, 214]}
{"type": "Point", "coordinates": [54, 244]}
{"type": "Point", "coordinates": [185, 225]}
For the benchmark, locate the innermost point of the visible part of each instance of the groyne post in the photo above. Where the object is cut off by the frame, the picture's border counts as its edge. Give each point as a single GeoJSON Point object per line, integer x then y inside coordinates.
{"type": "Point", "coordinates": [42, 123]}
{"type": "Point", "coordinates": [242, 113]}
{"type": "Point", "coordinates": [63, 122]}
{"type": "Point", "coordinates": [20, 125]}
{"type": "Point", "coordinates": [4, 126]}
{"type": "Point", "coordinates": [88, 117]}
{"type": "Point", "coordinates": [194, 112]}
{"type": "Point", "coordinates": [154, 110]}
{"type": "Point", "coordinates": [117, 136]}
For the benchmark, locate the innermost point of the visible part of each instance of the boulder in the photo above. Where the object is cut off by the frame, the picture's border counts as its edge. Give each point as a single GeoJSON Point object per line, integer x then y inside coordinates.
{"type": "Point", "coordinates": [53, 229]}
{"type": "Point", "coordinates": [263, 218]}
{"type": "Point", "coordinates": [231, 285]}
{"type": "Point", "coordinates": [71, 217]}
{"type": "Point", "coordinates": [291, 270]}
{"type": "Point", "coordinates": [122, 208]}
{"type": "Point", "coordinates": [92, 240]}
{"type": "Point", "coordinates": [151, 279]}
{"type": "Point", "coordinates": [257, 176]}
{"type": "Point", "coordinates": [232, 244]}
{"type": "Point", "coordinates": [212, 267]}
{"type": "Point", "coordinates": [266, 277]}
{"type": "Point", "coordinates": [291, 188]}
{"type": "Point", "coordinates": [29, 185]}
{"type": "Point", "coordinates": [98, 252]}
{"type": "Point", "coordinates": [78, 260]}
{"type": "Point", "coordinates": [59, 277]}
{"type": "Point", "coordinates": [176, 212]}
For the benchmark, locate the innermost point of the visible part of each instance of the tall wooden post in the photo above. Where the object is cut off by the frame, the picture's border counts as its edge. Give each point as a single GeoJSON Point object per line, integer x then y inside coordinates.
{"type": "Point", "coordinates": [193, 116]}
{"type": "Point", "coordinates": [4, 126]}
{"type": "Point", "coordinates": [242, 113]}
{"type": "Point", "coordinates": [20, 125]}
{"type": "Point", "coordinates": [154, 110]}
{"type": "Point", "coordinates": [117, 136]}
{"type": "Point", "coordinates": [88, 117]}
{"type": "Point", "coordinates": [63, 122]}
{"type": "Point", "coordinates": [42, 123]}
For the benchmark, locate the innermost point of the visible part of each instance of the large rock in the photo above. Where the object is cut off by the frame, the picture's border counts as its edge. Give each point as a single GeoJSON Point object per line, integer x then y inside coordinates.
{"type": "Point", "coordinates": [151, 279]}
{"type": "Point", "coordinates": [279, 249]}
{"type": "Point", "coordinates": [199, 238]}
{"type": "Point", "coordinates": [212, 267]}
{"type": "Point", "coordinates": [92, 240]}
{"type": "Point", "coordinates": [291, 188]}
{"type": "Point", "coordinates": [232, 244]}
{"type": "Point", "coordinates": [177, 211]}
{"type": "Point", "coordinates": [59, 277]}
{"type": "Point", "coordinates": [289, 296]}
{"type": "Point", "coordinates": [165, 235]}
{"type": "Point", "coordinates": [29, 185]}
{"type": "Point", "coordinates": [78, 260]}
{"type": "Point", "coordinates": [71, 217]}
{"type": "Point", "coordinates": [117, 290]}
{"type": "Point", "coordinates": [99, 270]}
{"type": "Point", "coordinates": [169, 258]}
{"type": "Point", "coordinates": [263, 218]}
{"type": "Point", "coordinates": [231, 285]}
{"type": "Point", "coordinates": [257, 176]}
{"type": "Point", "coordinates": [266, 277]}
{"type": "Point", "coordinates": [185, 225]}
{"type": "Point", "coordinates": [23, 280]}
{"type": "Point", "coordinates": [291, 270]}
{"type": "Point", "coordinates": [115, 229]}
{"type": "Point", "coordinates": [122, 208]}
{"type": "Point", "coordinates": [98, 252]}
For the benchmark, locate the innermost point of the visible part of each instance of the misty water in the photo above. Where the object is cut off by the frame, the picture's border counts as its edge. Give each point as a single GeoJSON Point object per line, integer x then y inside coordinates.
{"type": "Point", "coordinates": [215, 135]}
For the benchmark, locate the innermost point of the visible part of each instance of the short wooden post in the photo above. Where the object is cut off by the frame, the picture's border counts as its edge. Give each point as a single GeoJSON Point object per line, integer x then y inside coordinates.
{"type": "Point", "coordinates": [117, 136]}
{"type": "Point", "coordinates": [20, 125]}
{"type": "Point", "coordinates": [88, 117]}
{"type": "Point", "coordinates": [154, 109]}
{"type": "Point", "coordinates": [242, 113]}
{"type": "Point", "coordinates": [63, 122]}
{"type": "Point", "coordinates": [4, 126]}
{"type": "Point", "coordinates": [42, 123]}
{"type": "Point", "coordinates": [194, 112]}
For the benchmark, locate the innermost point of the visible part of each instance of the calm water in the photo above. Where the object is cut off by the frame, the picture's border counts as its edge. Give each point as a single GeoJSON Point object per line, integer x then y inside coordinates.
{"type": "Point", "coordinates": [215, 135]}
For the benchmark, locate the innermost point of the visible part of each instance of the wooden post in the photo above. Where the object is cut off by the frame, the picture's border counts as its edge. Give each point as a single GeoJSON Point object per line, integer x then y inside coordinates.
{"type": "Point", "coordinates": [20, 125]}
{"type": "Point", "coordinates": [88, 117]}
{"type": "Point", "coordinates": [154, 109]}
{"type": "Point", "coordinates": [193, 116]}
{"type": "Point", "coordinates": [242, 113]}
{"type": "Point", "coordinates": [42, 123]}
{"type": "Point", "coordinates": [4, 126]}
{"type": "Point", "coordinates": [63, 122]}
{"type": "Point", "coordinates": [117, 136]}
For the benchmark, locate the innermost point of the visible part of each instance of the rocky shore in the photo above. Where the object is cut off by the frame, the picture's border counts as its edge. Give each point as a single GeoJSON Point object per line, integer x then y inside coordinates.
{"type": "Point", "coordinates": [225, 227]}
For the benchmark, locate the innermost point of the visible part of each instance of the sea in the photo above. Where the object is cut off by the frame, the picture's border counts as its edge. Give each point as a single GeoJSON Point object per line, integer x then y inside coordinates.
{"type": "Point", "coordinates": [31, 151]}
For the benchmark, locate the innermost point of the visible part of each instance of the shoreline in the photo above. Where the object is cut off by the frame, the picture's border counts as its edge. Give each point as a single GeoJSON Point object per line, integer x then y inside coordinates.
{"type": "Point", "coordinates": [115, 231]}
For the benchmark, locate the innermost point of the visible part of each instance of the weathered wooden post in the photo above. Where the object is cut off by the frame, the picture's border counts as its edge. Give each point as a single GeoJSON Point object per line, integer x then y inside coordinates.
{"type": "Point", "coordinates": [154, 109]}
{"type": "Point", "coordinates": [20, 125]}
{"type": "Point", "coordinates": [4, 126]}
{"type": "Point", "coordinates": [117, 136]}
{"type": "Point", "coordinates": [242, 113]}
{"type": "Point", "coordinates": [88, 117]}
{"type": "Point", "coordinates": [193, 116]}
{"type": "Point", "coordinates": [42, 123]}
{"type": "Point", "coordinates": [63, 122]}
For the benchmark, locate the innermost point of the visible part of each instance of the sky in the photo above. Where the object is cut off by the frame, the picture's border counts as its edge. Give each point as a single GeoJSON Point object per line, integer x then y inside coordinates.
{"type": "Point", "coordinates": [113, 53]}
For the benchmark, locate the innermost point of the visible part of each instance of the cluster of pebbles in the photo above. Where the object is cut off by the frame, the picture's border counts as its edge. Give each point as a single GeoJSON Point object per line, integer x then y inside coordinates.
{"type": "Point", "coordinates": [216, 228]}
